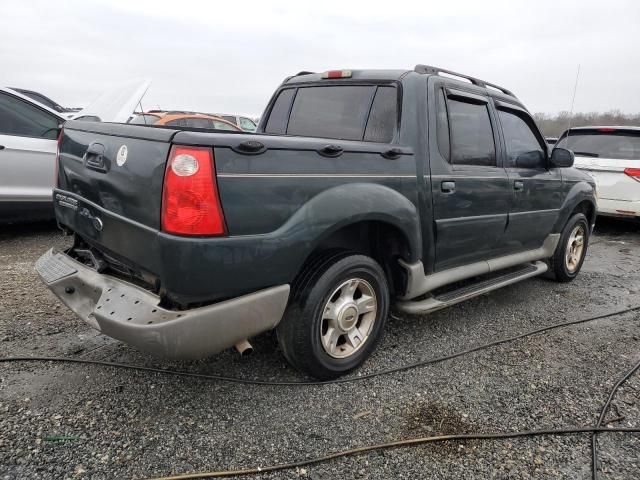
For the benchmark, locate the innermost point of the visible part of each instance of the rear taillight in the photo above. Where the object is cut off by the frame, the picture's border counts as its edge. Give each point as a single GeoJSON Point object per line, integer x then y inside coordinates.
{"type": "Point", "coordinates": [633, 173]}
{"type": "Point", "coordinates": [190, 201]}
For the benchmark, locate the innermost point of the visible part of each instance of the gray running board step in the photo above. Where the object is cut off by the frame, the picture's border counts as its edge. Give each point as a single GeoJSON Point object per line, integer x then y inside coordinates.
{"type": "Point", "coordinates": [431, 304]}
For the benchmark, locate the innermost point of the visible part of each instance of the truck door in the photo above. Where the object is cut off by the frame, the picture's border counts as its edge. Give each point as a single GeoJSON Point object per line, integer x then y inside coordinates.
{"type": "Point", "coordinates": [536, 189]}
{"type": "Point", "coordinates": [470, 189]}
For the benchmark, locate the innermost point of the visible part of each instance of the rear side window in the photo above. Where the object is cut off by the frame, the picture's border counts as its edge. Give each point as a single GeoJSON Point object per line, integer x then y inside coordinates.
{"type": "Point", "coordinates": [606, 143]}
{"type": "Point", "coordinates": [349, 112]}
{"type": "Point", "coordinates": [222, 126]}
{"type": "Point", "coordinates": [523, 147]}
{"type": "Point", "coordinates": [280, 113]}
{"type": "Point", "coordinates": [18, 117]}
{"type": "Point", "coordinates": [382, 121]}
{"type": "Point", "coordinates": [471, 134]}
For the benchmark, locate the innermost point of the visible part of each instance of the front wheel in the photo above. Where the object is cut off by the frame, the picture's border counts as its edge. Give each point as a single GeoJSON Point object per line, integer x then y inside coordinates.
{"type": "Point", "coordinates": [572, 249]}
{"type": "Point", "coordinates": [336, 317]}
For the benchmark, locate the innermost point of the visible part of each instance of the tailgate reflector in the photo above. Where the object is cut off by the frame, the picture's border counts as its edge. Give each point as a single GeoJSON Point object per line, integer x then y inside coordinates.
{"type": "Point", "coordinates": [190, 201]}
{"type": "Point", "coordinates": [337, 74]}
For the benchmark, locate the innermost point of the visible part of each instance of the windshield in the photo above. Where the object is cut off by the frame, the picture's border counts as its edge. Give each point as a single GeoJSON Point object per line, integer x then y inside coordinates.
{"type": "Point", "coordinates": [605, 143]}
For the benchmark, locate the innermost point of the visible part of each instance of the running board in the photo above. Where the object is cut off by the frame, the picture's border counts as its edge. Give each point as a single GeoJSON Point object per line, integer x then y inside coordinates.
{"type": "Point", "coordinates": [431, 304]}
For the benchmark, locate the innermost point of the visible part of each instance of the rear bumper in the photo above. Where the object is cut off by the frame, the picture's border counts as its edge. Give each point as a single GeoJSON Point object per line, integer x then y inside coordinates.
{"type": "Point", "coordinates": [618, 208]}
{"type": "Point", "coordinates": [130, 314]}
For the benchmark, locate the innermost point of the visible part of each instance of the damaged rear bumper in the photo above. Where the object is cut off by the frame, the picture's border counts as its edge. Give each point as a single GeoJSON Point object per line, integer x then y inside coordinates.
{"type": "Point", "coordinates": [133, 315]}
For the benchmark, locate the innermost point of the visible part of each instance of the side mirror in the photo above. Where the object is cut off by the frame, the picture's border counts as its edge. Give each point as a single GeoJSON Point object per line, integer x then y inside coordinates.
{"type": "Point", "coordinates": [532, 159]}
{"type": "Point", "coordinates": [561, 158]}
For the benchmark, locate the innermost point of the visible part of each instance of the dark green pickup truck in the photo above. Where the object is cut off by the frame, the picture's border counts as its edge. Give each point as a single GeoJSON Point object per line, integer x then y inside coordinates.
{"type": "Point", "coordinates": [360, 188]}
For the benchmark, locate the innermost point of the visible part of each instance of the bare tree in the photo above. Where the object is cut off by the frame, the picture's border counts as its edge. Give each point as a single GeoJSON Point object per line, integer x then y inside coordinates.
{"type": "Point", "coordinates": [554, 125]}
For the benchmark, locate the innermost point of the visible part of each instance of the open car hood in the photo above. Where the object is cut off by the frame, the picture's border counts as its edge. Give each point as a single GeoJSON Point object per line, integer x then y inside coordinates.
{"type": "Point", "coordinates": [116, 104]}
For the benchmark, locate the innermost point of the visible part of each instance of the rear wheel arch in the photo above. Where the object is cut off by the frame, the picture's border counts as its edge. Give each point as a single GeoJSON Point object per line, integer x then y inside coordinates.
{"type": "Point", "coordinates": [381, 240]}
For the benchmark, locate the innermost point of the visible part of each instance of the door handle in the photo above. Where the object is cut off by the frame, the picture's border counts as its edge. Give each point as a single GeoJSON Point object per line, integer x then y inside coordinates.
{"type": "Point", "coordinates": [331, 151]}
{"type": "Point", "coordinates": [448, 187]}
{"type": "Point", "coordinates": [518, 185]}
{"type": "Point", "coordinates": [392, 153]}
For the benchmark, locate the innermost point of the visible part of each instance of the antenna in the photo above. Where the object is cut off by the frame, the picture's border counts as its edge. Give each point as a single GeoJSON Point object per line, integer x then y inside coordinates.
{"type": "Point", "coordinates": [573, 99]}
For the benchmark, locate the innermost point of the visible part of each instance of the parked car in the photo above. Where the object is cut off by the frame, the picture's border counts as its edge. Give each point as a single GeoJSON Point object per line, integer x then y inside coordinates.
{"type": "Point", "coordinates": [245, 123]}
{"type": "Point", "coordinates": [28, 142]}
{"type": "Point", "coordinates": [611, 155]}
{"type": "Point", "coordinates": [361, 188]}
{"type": "Point", "coordinates": [46, 101]}
{"type": "Point", "coordinates": [183, 119]}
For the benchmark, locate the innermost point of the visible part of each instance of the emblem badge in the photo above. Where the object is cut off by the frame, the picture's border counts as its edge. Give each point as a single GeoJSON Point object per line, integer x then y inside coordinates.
{"type": "Point", "coordinates": [121, 158]}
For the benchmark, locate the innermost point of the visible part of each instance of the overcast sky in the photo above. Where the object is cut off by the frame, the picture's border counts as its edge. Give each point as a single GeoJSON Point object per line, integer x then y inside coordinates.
{"type": "Point", "coordinates": [229, 56]}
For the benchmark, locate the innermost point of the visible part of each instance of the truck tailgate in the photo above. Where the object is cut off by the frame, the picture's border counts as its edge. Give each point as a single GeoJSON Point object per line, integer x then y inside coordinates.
{"type": "Point", "coordinates": [111, 167]}
{"type": "Point", "coordinates": [109, 188]}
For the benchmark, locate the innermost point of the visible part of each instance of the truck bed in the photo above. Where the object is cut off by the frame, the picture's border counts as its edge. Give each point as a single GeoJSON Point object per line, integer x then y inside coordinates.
{"type": "Point", "coordinates": [279, 195]}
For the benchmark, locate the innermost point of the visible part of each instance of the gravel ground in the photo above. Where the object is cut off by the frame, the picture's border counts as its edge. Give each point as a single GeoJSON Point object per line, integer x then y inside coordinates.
{"type": "Point", "coordinates": [77, 421]}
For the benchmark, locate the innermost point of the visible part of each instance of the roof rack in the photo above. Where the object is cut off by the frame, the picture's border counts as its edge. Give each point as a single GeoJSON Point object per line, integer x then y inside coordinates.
{"type": "Point", "coordinates": [429, 70]}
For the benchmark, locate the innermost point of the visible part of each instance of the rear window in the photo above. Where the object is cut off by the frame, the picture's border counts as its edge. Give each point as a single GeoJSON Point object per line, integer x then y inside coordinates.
{"type": "Point", "coordinates": [616, 145]}
{"type": "Point", "coordinates": [144, 120]}
{"type": "Point", "coordinates": [349, 112]}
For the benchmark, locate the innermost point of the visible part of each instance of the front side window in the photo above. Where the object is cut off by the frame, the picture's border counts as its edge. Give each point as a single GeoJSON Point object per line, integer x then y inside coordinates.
{"type": "Point", "coordinates": [18, 117]}
{"type": "Point", "coordinates": [523, 147]}
{"type": "Point", "coordinates": [442, 126]}
{"type": "Point", "coordinates": [471, 134]}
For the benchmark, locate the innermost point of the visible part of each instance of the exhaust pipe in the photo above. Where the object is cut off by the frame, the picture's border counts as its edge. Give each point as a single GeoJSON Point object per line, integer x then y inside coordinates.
{"type": "Point", "coordinates": [244, 348]}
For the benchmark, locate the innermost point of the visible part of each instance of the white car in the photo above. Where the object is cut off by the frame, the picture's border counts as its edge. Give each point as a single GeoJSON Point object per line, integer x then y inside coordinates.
{"type": "Point", "coordinates": [611, 155]}
{"type": "Point", "coordinates": [28, 143]}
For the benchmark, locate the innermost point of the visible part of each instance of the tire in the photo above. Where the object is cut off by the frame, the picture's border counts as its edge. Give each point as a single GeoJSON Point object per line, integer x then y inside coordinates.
{"type": "Point", "coordinates": [336, 316]}
{"type": "Point", "coordinates": [565, 270]}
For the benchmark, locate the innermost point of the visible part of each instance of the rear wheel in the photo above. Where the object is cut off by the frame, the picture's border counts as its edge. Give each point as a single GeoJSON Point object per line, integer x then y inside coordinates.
{"type": "Point", "coordinates": [336, 317]}
{"type": "Point", "coordinates": [572, 248]}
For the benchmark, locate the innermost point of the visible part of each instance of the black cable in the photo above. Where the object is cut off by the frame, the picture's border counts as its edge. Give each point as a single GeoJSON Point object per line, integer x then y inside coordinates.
{"type": "Point", "coordinates": [603, 413]}
{"type": "Point", "coordinates": [386, 446]}
{"type": "Point", "coordinates": [401, 443]}
{"type": "Point", "coordinates": [401, 368]}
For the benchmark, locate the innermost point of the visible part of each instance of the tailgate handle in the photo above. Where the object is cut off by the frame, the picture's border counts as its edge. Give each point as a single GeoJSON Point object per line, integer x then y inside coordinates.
{"type": "Point", "coordinates": [331, 151]}
{"type": "Point", "coordinates": [94, 157]}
